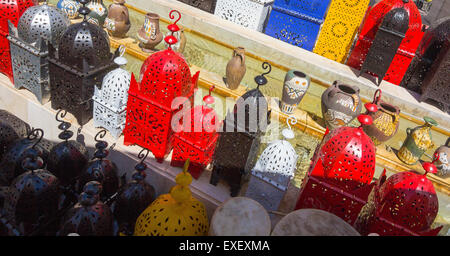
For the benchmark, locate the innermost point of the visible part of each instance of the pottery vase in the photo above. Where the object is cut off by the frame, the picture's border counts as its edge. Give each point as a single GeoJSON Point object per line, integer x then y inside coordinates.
{"type": "Point", "coordinates": [418, 141]}
{"type": "Point", "coordinates": [442, 161]}
{"type": "Point", "coordinates": [181, 40]}
{"type": "Point", "coordinates": [98, 13]}
{"type": "Point", "coordinates": [150, 35]}
{"type": "Point", "coordinates": [236, 69]}
{"type": "Point", "coordinates": [386, 121]}
{"type": "Point", "coordinates": [118, 21]}
{"type": "Point", "coordinates": [70, 7]}
{"type": "Point", "coordinates": [295, 85]}
{"type": "Point", "coordinates": [340, 104]}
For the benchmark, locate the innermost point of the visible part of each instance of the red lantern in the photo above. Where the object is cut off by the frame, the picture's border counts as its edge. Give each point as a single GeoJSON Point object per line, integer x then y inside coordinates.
{"type": "Point", "coordinates": [407, 49]}
{"type": "Point", "coordinates": [9, 10]}
{"type": "Point", "coordinates": [342, 168]}
{"type": "Point", "coordinates": [165, 76]}
{"type": "Point", "coordinates": [403, 205]}
{"type": "Point", "coordinates": [197, 144]}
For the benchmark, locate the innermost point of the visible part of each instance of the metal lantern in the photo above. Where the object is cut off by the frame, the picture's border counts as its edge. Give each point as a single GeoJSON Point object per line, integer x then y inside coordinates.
{"type": "Point", "coordinates": [110, 101]}
{"type": "Point", "coordinates": [338, 180]}
{"type": "Point", "coordinates": [12, 128]}
{"type": "Point", "coordinates": [39, 26]}
{"type": "Point", "coordinates": [197, 139]}
{"type": "Point", "coordinates": [10, 10]}
{"type": "Point", "coordinates": [297, 22]}
{"type": "Point", "coordinates": [424, 5]}
{"type": "Point", "coordinates": [100, 169]}
{"type": "Point", "coordinates": [67, 159]}
{"type": "Point", "coordinates": [165, 77]}
{"type": "Point", "coordinates": [386, 43]}
{"type": "Point", "coordinates": [89, 217]}
{"type": "Point", "coordinates": [175, 214]}
{"type": "Point", "coordinates": [274, 170]}
{"type": "Point", "coordinates": [405, 52]}
{"type": "Point", "coordinates": [247, 13]}
{"type": "Point", "coordinates": [205, 5]}
{"type": "Point", "coordinates": [339, 29]}
{"type": "Point", "coordinates": [79, 65]}
{"type": "Point", "coordinates": [429, 50]}
{"type": "Point", "coordinates": [239, 141]}
{"type": "Point", "coordinates": [405, 204]}
{"type": "Point", "coordinates": [133, 197]}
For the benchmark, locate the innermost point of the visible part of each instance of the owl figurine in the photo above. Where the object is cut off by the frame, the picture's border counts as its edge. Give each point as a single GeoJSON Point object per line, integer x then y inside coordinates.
{"type": "Point", "coordinates": [296, 84]}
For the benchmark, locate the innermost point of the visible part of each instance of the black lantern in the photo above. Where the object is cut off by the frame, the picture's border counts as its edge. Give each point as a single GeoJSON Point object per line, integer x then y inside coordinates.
{"type": "Point", "coordinates": [238, 145]}
{"type": "Point", "coordinates": [89, 217]}
{"type": "Point", "coordinates": [385, 45]}
{"type": "Point", "coordinates": [82, 60]}
{"type": "Point", "coordinates": [134, 197]}
{"type": "Point", "coordinates": [67, 159]}
{"type": "Point", "coordinates": [12, 128]}
{"type": "Point", "coordinates": [205, 5]}
{"type": "Point", "coordinates": [100, 169]}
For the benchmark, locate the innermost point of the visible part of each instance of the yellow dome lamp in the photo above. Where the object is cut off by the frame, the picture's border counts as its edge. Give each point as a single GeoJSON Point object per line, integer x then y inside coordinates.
{"type": "Point", "coordinates": [174, 214]}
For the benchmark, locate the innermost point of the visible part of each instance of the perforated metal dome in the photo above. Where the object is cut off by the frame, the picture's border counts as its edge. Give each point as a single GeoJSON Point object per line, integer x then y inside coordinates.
{"type": "Point", "coordinates": [114, 92]}
{"type": "Point", "coordinates": [42, 21]}
{"type": "Point", "coordinates": [396, 20]}
{"type": "Point", "coordinates": [12, 10]}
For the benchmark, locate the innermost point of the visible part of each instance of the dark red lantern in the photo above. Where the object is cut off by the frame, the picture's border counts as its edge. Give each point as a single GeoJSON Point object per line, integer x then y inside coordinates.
{"type": "Point", "coordinates": [405, 204]}
{"type": "Point", "coordinates": [407, 49]}
{"type": "Point", "coordinates": [340, 175]}
{"type": "Point", "coordinates": [9, 10]}
{"type": "Point", "coordinates": [165, 77]}
{"type": "Point", "coordinates": [199, 141]}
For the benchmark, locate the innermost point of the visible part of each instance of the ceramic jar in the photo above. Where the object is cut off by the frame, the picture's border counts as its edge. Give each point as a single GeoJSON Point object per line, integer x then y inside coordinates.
{"type": "Point", "coordinates": [236, 69]}
{"type": "Point", "coordinates": [295, 85]}
{"type": "Point", "coordinates": [340, 104]}
{"type": "Point", "coordinates": [181, 40]}
{"type": "Point", "coordinates": [418, 141]}
{"type": "Point", "coordinates": [118, 21]}
{"type": "Point", "coordinates": [98, 13]}
{"type": "Point", "coordinates": [150, 35]}
{"type": "Point", "coordinates": [442, 162]}
{"type": "Point", "coordinates": [386, 121]}
{"type": "Point", "coordinates": [70, 7]}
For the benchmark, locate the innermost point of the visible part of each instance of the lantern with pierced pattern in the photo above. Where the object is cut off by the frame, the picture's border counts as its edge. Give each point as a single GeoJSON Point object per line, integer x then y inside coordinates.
{"type": "Point", "coordinates": [38, 27]}
{"type": "Point", "coordinates": [82, 60]}
{"type": "Point", "coordinates": [405, 204]}
{"type": "Point", "coordinates": [166, 84]}
{"type": "Point", "coordinates": [110, 101]}
{"type": "Point", "coordinates": [9, 10]}
{"type": "Point", "coordinates": [340, 173]}
{"type": "Point", "coordinates": [12, 128]}
{"type": "Point", "coordinates": [405, 52]}
{"type": "Point", "coordinates": [197, 138]}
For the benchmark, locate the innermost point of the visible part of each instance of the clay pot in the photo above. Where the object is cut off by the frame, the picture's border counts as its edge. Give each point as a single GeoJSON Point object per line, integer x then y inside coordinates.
{"type": "Point", "coordinates": [98, 13]}
{"type": "Point", "coordinates": [296, 84]}
{"type": "Point", "coordinates": [385, 121]}
{"type": "Point", "coordinates": [340, 104]}
{"type": "Point", "coordinates": [150, 35]}
{"type": "Point", "coordinates": [70, 7]}
{"type": "Point", "coordinates": [443, 161]}
{"type": "Point", "coordinates": [418, 141]}
{"type": "Point", "coordinates": [236, 69]}
{"type": "Point", "coordinates": [118, 21]}
{"type": "Point", "coordinates": [181, 43]}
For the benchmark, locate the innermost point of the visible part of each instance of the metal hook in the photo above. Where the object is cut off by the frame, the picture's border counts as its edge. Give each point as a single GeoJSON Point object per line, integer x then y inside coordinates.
{"type": "Point", "coordinates": [142, 156]}
{"type": "Point", "coordinates": [100, 134]}
{"type": "Point", "coordinates": [122, 49]}
{"type": "Point", "coordinates": [211, 89]}
{"type": "Point", "coordinates": [291, 120]}
{"type": "Point", "coordinates": [172, 17]}
{"type": "Point", "coordinates": [36, 134]}
{"type": "Point", "coordinates": [266, 65]}
{"type": "Point", "coordinates": [62, 115]}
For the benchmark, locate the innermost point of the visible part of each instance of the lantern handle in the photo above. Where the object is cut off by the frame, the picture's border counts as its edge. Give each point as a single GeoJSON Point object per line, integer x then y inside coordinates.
{"type": "Point", "coordinates": [36, 134]}
{"type": "Point", "coordinates": [64, 126]}
{"type": "Point", "coordinates": [143, 155]}
{"type": "Point", "coordinates": [291, 120]}
{"type": "Point", "coordinates": [100, 134]}
{"type": "Point", "coordinates": [266, 65]}
{"type": "Point", "coordinates": [261, 79]}
{"type": "Point", "coordinates": [171, 16]}
{"type": "Point", "coordinates": [122, 49]}
{"type": "Point", "coordinates": [63, 114]}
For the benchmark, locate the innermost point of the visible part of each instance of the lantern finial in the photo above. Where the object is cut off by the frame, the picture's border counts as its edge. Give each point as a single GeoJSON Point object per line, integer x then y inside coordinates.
{"type": "Point", "coordinates": [429, 167]}
{"type": "Point", "coordinates": [288, 133]}
{"type": "Point", "coordinates": [84, 10]}
{"type": "Point", "coordinates": [101, 145]}
{"type": "Point", "coordinates": [141, 166]}
{"type": "Point", "coordinates": [64, 126]}
{"type": "Point", "coordinates": [170, 40]}
{"type": "Point", "coordinates": [208, 99]}
{"type": "Point", "coordinates": [120, 60]}
{"type": "Point", "coordinates": [365, 120]}
{"type": "Point", "coordinates": [261, 79]}
{"type": "Point", "coordinates": [181, 191]}
{"type": "Point", "coordinates": [91, 193]}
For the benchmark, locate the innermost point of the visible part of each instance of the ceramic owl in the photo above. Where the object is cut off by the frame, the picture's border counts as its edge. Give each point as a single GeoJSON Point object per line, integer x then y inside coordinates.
{"type": "Point", "coordinates": [296, 84]}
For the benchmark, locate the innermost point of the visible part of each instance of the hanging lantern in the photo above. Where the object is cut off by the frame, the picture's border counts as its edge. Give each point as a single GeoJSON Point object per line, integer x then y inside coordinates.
{"type": "Point", "coordinates": [67, 159]}
{"type": "Point", "coordinates": [9, 10]}
{"type": "Point", "coordinates": [368, 41]}
{"type": "Point", "coordinates": [110, 101]}
{"type": "Point", "coordinates": [134, 197]}
{"type": "Point", "coordinates": [197, 140]}
{"type": "Point", "coordinates": [38, 26]}
{"type": "Point", "coordinates": [405, 204]}
{"type": "Point", "coordinates": [12, 128]}
{"type": "Point", "coordinates": [100, 169]}
{"type": "Point", "coordinates": [205, 5]}
{"type": "Point", "coordinates": [338, 180]}
{"type": "Point", "coordinates": [297, 22]}
{"type": "Point", "coordinates": [239, 141]}
{"type": "Point", "coordinates": [89, 217]}
{"type": "Point", "coordinates": [165, 76]}
{"type": "Point", "coordinates": [431, 48]}
{"type": "Point", "coordinates": [79, 65]}
{"type": "Point", "coordinates": [174, 214]}
{"type": "Point", "coordinates": [274, 170]}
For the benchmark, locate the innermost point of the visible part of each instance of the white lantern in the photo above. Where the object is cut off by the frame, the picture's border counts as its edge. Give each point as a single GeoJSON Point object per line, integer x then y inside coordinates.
{"type": "Point", "coordinates": [111, 100]}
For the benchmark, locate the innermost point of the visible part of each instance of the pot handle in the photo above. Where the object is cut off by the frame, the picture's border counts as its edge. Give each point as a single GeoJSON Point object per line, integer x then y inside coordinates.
{"type": "Point", "coordinates": [408, 131]}
{"type": "Point", "coordinates": [235, 53]}
{"type": "Point", "coordinates": [377, 97]}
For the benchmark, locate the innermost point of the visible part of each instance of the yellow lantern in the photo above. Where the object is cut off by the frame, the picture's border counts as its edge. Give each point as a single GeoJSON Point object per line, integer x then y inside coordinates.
{"type": "Point", "coordinates": [340, 26]}
{"type": "Point", "coordinates": [174, 214]}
